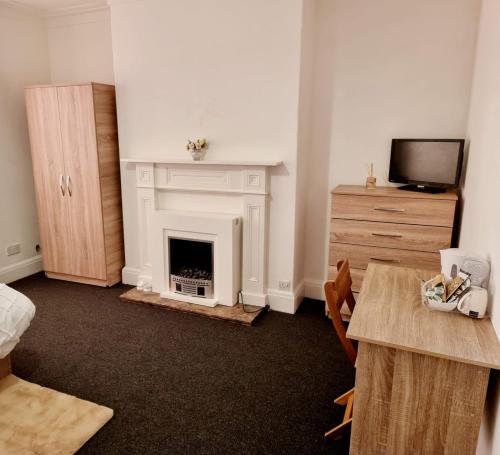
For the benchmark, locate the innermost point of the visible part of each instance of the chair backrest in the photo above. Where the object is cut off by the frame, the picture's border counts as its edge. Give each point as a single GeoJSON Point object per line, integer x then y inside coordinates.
{"type": "Point", "coordinates": [337, 292]}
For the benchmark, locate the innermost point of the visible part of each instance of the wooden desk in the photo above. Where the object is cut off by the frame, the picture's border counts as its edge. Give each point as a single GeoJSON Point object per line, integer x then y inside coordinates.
{"type": "Point", "coordinates": [421, 375]}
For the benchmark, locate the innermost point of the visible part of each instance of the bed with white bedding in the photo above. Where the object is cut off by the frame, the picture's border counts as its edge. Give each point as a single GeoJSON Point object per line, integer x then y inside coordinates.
{"type": "Point", "coordinates": [16, 314]}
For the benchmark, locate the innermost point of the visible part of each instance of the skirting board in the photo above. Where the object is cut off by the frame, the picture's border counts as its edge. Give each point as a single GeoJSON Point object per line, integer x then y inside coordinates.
{"type": "Point", "coordinates": [21, 269]}
{"type": "Point", "coordinates": [130, 275]}
{"type": "Point", "coordinates": [283, 301]}
{"type": "Point", "coordinates": [314, 289]}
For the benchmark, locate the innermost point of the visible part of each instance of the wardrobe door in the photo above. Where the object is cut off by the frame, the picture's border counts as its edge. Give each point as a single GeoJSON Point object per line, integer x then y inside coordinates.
{"type": "Point", "coordinates": [48, 171]}
{"type": "Point", "coordinates": [79, 147]}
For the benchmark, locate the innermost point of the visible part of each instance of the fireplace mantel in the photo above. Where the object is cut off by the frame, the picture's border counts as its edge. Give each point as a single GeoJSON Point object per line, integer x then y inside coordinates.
{"type": "Point", "coordinates": [248, 180]}
{"type": "Point", "coordinates": [201, 162]}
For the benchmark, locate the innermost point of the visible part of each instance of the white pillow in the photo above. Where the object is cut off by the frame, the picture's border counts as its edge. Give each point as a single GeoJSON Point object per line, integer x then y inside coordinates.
{"type": "Point", "coordinates": [16, 313]}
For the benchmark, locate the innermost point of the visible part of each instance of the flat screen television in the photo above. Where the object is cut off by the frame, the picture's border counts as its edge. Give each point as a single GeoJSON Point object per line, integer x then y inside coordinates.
{"type": "Point", "coordinates": [429, 165]}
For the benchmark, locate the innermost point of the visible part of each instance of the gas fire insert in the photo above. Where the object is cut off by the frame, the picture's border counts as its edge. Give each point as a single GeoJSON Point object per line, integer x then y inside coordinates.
{"type": "Point", "coordinates": [191, 267]}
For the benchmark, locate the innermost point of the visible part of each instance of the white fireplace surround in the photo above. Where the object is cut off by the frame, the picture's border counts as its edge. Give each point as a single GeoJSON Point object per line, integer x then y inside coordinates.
{"type": "Point", "coordinates": [248, 182]}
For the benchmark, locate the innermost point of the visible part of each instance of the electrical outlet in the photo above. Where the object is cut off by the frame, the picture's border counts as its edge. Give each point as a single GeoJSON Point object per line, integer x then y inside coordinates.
{"type": "Point", "coordinates": [284, 284]}
{"type": "Point", "coordinates": [13, 249]}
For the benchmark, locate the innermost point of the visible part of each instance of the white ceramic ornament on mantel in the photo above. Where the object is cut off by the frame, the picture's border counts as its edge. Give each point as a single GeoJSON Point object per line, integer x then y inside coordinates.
{"type": "Point", "coordinates": [197, 148]}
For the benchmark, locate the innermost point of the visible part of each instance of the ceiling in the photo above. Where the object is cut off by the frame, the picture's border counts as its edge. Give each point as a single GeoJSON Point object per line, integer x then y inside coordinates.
{"type": "Point", "coordinates": [56, 5]}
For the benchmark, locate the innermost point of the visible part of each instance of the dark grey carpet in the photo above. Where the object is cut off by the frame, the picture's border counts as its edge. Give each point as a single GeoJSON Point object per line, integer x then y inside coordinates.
{"type": "Point", "coordinates": [184, 384]}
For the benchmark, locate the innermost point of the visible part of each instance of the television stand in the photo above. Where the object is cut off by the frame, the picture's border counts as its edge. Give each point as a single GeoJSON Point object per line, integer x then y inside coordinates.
{"type": "Point", "coordinates": [423, 189]}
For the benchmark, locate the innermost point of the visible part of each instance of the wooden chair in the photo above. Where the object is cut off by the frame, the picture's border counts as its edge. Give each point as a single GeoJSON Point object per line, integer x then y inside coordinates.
{"type": "Point", "coordinates": [337, 292]}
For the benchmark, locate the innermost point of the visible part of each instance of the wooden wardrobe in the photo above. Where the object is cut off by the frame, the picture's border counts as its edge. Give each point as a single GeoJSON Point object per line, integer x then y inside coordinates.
{"type": "Point", "coordinates": [74, 148]}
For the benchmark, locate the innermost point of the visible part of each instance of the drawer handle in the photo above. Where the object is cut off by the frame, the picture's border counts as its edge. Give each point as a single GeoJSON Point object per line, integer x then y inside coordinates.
{"type": "Point", "coordinates": [61, 185]}
{"type": "Point", "coordinates": [379, 234]}
{"type": "Point", "coordinates": [68, 185]}
{"type": "Point", "coordinates": [394, 261]}
{"type": "Point", "coordinates": [389, 209]}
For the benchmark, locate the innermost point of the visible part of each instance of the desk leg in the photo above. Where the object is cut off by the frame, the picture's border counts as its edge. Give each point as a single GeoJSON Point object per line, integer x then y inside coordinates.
{"type": "Point", "coordinates": [408, 403]}
{"type": "Point", "coordinates": [436, 405]}
{"type": "Point", "coordinates": [370, 422]}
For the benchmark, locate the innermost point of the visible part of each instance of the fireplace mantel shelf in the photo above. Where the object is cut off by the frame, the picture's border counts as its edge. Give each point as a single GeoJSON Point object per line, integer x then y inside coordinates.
{"type": "Point", "coordinates": [201, 162]}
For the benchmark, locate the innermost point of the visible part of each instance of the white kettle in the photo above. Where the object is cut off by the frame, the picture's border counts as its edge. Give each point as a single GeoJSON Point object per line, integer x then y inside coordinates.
{"type": "Point", "coordinates": [455, 259]}
{"type": "Point", "coordinates": [474, 302]}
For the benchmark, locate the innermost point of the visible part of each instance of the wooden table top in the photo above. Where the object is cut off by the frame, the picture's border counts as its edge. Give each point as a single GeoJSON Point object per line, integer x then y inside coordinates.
{"type": "Point", "coordinates": [389, 312]}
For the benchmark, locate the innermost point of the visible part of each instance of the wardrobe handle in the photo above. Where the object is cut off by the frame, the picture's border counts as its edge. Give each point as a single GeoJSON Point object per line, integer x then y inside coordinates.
{"type": "Point", "coordinates": [389, 209]}
{"type": "Point", "coordinates": [68, 185]}
{"type": "Point", "coordinates": [61, 185]}
{"type": "Point", "coordinates": [379, 234]}
{"type": "Point", "coordinates": [395, 261]}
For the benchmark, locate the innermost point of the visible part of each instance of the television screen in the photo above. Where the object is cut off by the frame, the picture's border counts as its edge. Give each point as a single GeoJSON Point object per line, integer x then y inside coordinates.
{"type": "Point", "coordinates": [432, 162]}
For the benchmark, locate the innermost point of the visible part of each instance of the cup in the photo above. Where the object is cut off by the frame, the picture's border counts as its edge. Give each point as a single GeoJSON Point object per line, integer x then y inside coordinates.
{"type": "Point", "coordinates": [474, 302]}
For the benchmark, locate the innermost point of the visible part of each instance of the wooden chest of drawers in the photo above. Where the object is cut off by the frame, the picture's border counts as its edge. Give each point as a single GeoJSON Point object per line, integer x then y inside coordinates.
{"type": "Point", "coordinates": [388, 226]}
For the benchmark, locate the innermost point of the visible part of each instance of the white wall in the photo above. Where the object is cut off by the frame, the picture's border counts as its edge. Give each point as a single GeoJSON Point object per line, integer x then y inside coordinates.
{"type": "Point", "coordinates": [481, 212]}
{"type": "Point", "coordinates": [227, 71]}
{"type": "Point", "coordinates": [308, 43]}
{"type": "Point", "coordinates": [80, 47]}
{"type": "Point", "coordinates": [391, 68]}
{"type": "Point", "coordinates": [24, 61]}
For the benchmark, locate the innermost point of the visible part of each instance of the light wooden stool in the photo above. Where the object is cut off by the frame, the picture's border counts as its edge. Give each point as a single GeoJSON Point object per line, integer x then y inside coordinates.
{"type": "Point", "coordinates": [336, 294]}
